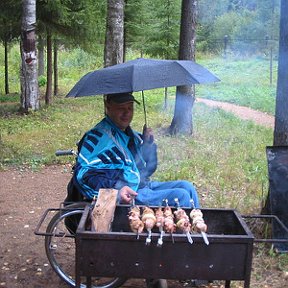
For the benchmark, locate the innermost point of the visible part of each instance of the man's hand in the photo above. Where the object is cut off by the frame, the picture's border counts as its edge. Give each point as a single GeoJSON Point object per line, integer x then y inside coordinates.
{"type": "Point", "coordinates": [127, 195]}
{"type": "Point", "coordinates": [148, 134]}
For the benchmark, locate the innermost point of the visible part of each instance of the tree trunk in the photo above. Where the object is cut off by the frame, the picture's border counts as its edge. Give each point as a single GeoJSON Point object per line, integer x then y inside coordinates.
{"type": "Point", "coordinates": [281, 114]}
{"type": "Point", "coordinates": [124, 32]}
{"type": "Point", "coordinates": [55, 50]}
{"type": "Point", "coordinates": [6, 68]}
{"type": "Point", "coordinates": [48, 94]}
{"type": "Point", "coordinates": [113, 51]}
{"type": "Point", "coordinates": [29, 75]}
{"type": "Point", "coordinates": [41, 66]}
{"type": "Point", "coordinates": [185, 95]}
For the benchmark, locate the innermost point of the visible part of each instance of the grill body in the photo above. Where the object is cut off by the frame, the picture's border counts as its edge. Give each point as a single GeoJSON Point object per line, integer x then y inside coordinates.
{"type": "Point", "coordinates": [120, 254]}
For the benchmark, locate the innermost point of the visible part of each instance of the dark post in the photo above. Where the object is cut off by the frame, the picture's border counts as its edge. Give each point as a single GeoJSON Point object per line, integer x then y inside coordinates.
{"type": "Point", "coordinates": [271, 55]}
{"type": "Point", "coordinates": [277, 157]}
{"type": "Point", "coordinates": [266, 41]}
{"type": "Point", "coordinates": [225, 45]}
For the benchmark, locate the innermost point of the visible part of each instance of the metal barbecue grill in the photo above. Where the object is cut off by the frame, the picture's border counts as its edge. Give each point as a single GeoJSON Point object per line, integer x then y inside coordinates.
{"type": "Point", "coordinates": [118, 255]}
{"type": "Point", "coordinates": [121, 254]}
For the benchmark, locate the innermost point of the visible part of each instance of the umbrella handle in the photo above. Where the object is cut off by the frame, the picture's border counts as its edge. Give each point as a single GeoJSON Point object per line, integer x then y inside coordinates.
{"type": "Point", "coordinates": [144, 108]}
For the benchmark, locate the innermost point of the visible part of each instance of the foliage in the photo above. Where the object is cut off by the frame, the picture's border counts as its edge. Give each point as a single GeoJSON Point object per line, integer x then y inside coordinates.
{"type": "Point", "coordinates": [248, 22]}
{"type": "Point", "coordinates": [62, 17]}
{"type": "Point", "coordinates": [134, 24]}
{"type": "Point", "coordinates": [10, 15]}
{"type": "Point", "coordinates": [94, 25]}
{"type": "Point", "coordinates": [79, 23]}
{"type": "Point", "coordinates": [14, 64]}
{"type": "Point", "coordinates": [152, 27]}
{"type": "Point", "coordinates": [42, 81]}
{"type": "Point", "coordinates": [163, 29]}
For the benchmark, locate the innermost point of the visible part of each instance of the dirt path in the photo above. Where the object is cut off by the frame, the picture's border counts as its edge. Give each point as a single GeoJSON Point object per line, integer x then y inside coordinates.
{"type": "Point", "coordinates": [242, 112]}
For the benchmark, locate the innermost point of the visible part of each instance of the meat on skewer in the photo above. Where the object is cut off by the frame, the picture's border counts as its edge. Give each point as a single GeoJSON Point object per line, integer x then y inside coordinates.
{"type": "Point", "coordinates": [183, 222]}
{"type": "Point", "coordinates": [198, 224]}
{"type": "Point", "coordinates": [169, 225]}
{"type": "Point", "coordinates": [160, 224]}
{"type": "Point", "coordinates": [149, 220]}
{"type": "Point", "coordinates": [135, 222]}
{"type": "Point", "coordinates": [159, 217]}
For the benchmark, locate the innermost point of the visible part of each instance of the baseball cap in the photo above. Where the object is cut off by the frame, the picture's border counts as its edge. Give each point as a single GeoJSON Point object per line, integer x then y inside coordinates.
{"type": "Point", "coordinates": [121, 98]}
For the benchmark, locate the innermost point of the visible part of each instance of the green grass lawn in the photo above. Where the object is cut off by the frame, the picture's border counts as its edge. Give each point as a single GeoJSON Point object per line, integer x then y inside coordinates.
{"type": "Point", "coordinates": [243, 82]}
{"type": "Point", "coordinates": [225, 157]}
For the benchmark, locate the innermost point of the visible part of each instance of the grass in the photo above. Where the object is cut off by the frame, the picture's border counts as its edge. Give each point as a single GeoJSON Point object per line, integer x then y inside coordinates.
{"type": "Point", "coordinates": [225, 157]}
{"type": "Point", "coordinates": [244, 82]}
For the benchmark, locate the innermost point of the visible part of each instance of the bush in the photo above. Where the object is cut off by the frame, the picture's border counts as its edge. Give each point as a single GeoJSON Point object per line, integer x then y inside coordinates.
{"type": "Point", "coordinates": [42, 81]}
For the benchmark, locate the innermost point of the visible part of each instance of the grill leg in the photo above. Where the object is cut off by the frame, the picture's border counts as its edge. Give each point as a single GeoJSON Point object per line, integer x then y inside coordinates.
{"type": "Point", "coordinates": [247, 283]}
{"type": "Point", "coordinates": [89, 282]}
{"type": "Point", "coordinates": [227, 283]}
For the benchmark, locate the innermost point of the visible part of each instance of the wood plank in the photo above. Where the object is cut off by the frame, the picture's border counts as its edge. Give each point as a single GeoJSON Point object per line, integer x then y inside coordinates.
{"type": "Point", "coordinates": [103, 212]}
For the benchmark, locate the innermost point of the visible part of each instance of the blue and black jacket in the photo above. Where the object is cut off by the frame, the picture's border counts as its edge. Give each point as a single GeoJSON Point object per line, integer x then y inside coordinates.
{"type": "Point", "coordinates": [111, 158]}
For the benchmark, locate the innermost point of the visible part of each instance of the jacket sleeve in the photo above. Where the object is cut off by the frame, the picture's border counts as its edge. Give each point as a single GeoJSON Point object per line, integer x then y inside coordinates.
{"type": "Point", "coordinates": [100, 178]}
{"type": "Point", "coordinates": [149, 154]}
{"type": "Point", "coordinates": [102, 163]}
{"type": "Point", "coordinates": [97, 164]}
{"type": "Point", "coordinates": [90, 180]}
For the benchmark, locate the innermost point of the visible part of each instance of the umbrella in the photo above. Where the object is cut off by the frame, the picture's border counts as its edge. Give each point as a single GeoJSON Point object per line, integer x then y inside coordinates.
{"type": "Point", "coordinates": [141, 74]}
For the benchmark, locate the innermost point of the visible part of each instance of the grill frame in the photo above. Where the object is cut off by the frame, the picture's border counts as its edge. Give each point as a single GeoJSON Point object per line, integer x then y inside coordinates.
{"type": "Point", "coordinates": [120, 254]}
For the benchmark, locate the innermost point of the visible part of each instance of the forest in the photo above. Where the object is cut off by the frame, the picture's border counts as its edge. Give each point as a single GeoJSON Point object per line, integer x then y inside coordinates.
{"type": "Point", "coordinates": [151, 28]}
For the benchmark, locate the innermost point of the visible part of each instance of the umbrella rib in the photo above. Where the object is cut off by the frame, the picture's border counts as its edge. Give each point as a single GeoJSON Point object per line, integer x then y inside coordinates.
{"type": "Point", "coordinates": [189, 74]}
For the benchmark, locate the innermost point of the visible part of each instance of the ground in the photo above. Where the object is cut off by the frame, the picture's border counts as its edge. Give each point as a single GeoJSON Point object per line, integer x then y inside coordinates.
{"type": "Point", "coordinates": [25, 195]}
{"type": "Point", "coordinates": [244, 113]}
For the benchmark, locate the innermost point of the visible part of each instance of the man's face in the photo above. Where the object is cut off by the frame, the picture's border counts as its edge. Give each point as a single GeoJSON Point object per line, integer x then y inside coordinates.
{"type": "Point", "coordinates": [120, 114]}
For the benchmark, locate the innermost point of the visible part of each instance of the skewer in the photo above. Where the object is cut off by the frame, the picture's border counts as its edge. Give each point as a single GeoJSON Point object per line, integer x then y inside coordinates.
{"type": "Point", "coordinates": [149, 220]}
{"type": "Point", "coordinates": [205, 238]}
{"type": "Point", "coordinates": [160, 239]}
{"type": "Point", "coordinates": [159, 223]}
{"type": "Point", "coordinates": [133, 205]}
{"type": "Point", "coordinates": [187, 233]}
{"type": "Point", "coordinates": [171, 233]}
{"type": "Point", "coordinates": [148, 239]}
{"type": "Point", "coordinates": [136, 224]}
{"type": "Point", "coordinates": [133, 201]}
{"type": "Point", "coordinates": [204, 235]}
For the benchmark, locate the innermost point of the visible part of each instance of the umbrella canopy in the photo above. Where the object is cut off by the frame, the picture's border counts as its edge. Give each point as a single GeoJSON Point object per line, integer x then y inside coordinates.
{"type": "Point", "coordinates": [141, 74]}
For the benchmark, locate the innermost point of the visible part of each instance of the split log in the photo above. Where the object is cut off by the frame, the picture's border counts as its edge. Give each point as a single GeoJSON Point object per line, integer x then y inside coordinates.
{"type": "Point", "coordinates": [103, 213]}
